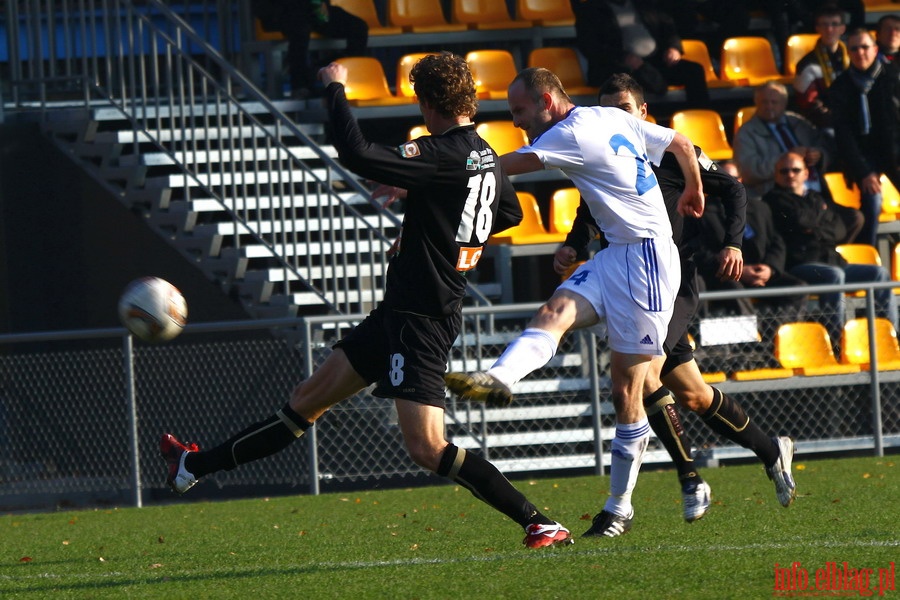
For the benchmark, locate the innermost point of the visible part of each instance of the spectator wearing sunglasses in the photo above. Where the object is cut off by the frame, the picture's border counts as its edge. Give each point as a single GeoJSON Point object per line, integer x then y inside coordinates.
{"type": "Point", "coordinates": [811, 229]}
{"type": "Point", "coordinates": [864, 102]}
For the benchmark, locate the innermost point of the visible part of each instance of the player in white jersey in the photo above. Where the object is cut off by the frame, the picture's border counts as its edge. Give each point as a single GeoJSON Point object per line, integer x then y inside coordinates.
{"type": "Point", "coordinates": [631, 284]}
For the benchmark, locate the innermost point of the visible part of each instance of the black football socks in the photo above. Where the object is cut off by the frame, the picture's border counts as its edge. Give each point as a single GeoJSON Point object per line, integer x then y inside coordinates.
{"type": "Point", "coordinates": [257, 441]}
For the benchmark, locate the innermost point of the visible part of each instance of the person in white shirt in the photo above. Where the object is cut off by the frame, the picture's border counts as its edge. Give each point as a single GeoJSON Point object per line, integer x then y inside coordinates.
{"type": "Point", "coordinates": [631, 284]}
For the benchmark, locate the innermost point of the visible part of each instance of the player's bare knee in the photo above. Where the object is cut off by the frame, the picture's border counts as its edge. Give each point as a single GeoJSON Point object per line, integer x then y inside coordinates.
{"type": "Point", "coordinates": [424, 453]}
{"type": "Point", "coordinates": [695, 400]}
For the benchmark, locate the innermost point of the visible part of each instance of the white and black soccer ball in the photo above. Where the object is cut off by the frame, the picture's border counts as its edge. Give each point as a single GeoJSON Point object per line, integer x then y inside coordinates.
{"type": "Point", "coordinates": [153, 309]}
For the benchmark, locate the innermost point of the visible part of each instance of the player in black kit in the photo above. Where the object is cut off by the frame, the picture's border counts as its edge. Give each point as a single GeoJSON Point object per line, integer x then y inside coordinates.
{"type": "Point", "coordinates": [678, 370]}
{"type": "Point", "coordinates": [457, 196]}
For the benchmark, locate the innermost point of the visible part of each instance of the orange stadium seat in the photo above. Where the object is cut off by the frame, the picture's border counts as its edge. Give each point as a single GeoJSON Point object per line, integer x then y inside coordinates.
{"type": "Point", "coordinates": [366, 84]}
{"type": "Point", "coordinates": [806, 348]}
{"type": "Point", "coordinates": [420, 16]}
{"type": "Point", "coordinates": [502, 136]}
{"type": "Point", "coordinates": [485, 15]}
{"type": "Point", "coordinates": [564, 62]}
{"type": "Point", "coordinates": [365, 10]}
{"type": "Point", "coordinates": [545, 13]}
{"type": "Point", "coordinates": [796, 47]}
{"type": "Point", "coordinates": [840, 192]}
{"type": "Point", "coordinates": [750, 61]}
{"type": "Point", "coordinates": [493, 71]}
{"type": "Point", "coordinates": [563, 206]}
{"type": "Point", "coordinates": [698, 52]}
{"type": "Point", "coordinates": [742, 116]}
{"type": "Point", "coordinates": [417, 131]}
{"type": "Point", "coordinates": [531, 230]}
{"type": "Point", "coordinates": [855, 344]}
{"type": "Point", "coordinates": [705, 129]}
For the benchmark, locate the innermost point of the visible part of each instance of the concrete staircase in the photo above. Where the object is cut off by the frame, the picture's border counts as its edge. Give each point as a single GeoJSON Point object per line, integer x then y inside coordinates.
{"type": "Point", "coordinates": [268, 216]}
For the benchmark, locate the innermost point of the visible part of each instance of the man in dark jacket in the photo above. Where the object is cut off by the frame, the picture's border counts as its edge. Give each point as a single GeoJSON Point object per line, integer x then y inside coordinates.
{"type": "Point", "coordinates": [865, 102]}
{"type": "Point", "coordinates": [639, 38]}
{"type": "Point", "coordinates": [764, 253]}
{"type": "Point", "coordinates": [811, 228]}
{"type": "Point", "coordinates": [297, 20]}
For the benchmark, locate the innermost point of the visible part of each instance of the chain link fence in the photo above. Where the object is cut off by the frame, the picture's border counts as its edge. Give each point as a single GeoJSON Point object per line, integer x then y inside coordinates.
{"type": "Point", "coordinates": [81, 412]}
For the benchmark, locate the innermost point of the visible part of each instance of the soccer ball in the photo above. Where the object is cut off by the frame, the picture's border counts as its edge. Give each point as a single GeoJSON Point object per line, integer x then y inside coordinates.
{"type": "Point", "coordinates": [153, 309]}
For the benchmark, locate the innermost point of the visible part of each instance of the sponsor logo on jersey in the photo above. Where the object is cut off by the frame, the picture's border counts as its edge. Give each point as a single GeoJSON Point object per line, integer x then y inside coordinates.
{"type": "Point", "coordinates": [647, 340]}
{"type": "Point", "coordinates": [410, 150]}
{"type": "Point", "coordinates": [468, 258]}
{"type": "Point", "coordinates": [473, 162]}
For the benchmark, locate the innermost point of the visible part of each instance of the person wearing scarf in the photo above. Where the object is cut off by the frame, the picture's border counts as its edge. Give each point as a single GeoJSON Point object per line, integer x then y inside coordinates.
{"type": "Point", "coordinates": [817, 70]}
{"type": "Point", "coordinates": [865, 103]}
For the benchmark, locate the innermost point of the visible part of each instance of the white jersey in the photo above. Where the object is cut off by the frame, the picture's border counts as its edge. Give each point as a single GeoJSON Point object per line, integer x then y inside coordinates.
{"type": "Point", "coordinates": [607, 154]}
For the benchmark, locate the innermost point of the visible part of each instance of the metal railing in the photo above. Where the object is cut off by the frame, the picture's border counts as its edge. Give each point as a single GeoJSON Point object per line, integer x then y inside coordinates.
{"type": "Point", "coordinates": [81, 411]}
{"type": "Point", "coordinates": [147, 64]}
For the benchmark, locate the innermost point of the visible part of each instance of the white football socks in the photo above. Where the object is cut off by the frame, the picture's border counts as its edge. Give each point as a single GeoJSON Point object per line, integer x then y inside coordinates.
{"type": "Point", "coordinates": [528, 352]}
{"type": "Point", "coordinates": [627, 455]}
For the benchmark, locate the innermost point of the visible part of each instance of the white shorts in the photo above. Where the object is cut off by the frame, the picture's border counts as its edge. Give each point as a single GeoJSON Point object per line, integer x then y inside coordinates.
{"type": "Point", "coordinates": [632, 287]}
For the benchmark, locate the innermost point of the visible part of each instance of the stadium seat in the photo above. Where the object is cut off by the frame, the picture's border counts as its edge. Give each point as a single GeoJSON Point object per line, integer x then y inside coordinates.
{"type": "Point", "coordinates": [493, 71]}
{"type": "Point", "coordinates": [545, 13]}
{"type": "Point", "coordinates": [417, 131]}
{"type": "Point", "coordinates": [404, 65]}
{"type": "Point", "coordinates": [750, 61]}
{"type": "Point", "coordinates": [365, 10]}
{"type": "Point", "coordinates": [263, 35]}
{"type": "Point", "coordinates": [502, 136]}
{"type": "Point", "coordinates": [420, 16]}
{"type": "Point", "coordinates": [563, 206]}
{"type": "Point", "coordinates": [565, 63]}
{"type": "Point", "coordinates": [531, 230]}
{"type": "Point", "coordinates": [806, 348]}
{"type": "Point", "coordinates": [890, 201]}
{"type": "Point", "coordinates": [366, 83]}
{"type": "Point", "coordinates": [840, 192]}
{"type": "Point", "coordinates": [855, 344]}
{"type": "Point", "coordinates": [796, 47]}
{"type": "Point", "coordinates": [485, 15]}
{"type": "Point", "coordinates": [859, 254]}
{"type": "Point", "coordinates": [705, 129]}
{"type": "Point", "coordinates": [698, 52]}
{"type": "Point", "coordinates": [742, 116]}
{"type": "Point", "coordinates": [709, 376]}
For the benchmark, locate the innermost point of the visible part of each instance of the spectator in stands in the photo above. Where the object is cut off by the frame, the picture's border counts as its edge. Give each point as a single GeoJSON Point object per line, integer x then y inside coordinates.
{"type": "Point", "coordinates": [772, 131]}
{"type": "Point", "coordinates": [764, 255]}
{"type": "Point", "coordinates": [864, 100]}
{"type": "Point", "coordinates": [811, 229]}
{"type": "Point", "coordinates": [887, 36]}
{"type": "Point", "coordinates": [818, 69]}
{"type": "Point", "coordinates": [297, 20]}
{"type": "Point", "coordinates": [638, 38]}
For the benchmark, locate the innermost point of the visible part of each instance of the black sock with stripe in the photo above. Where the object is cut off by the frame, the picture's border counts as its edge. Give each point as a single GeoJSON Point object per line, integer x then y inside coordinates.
{"type": "Point", "coordinates": [666, 424]}
{"type": "Point", "coordinates": [489, 485]}
{"type": "Point", "coordinates": [726, 417]}
{"type": "Point", "coordinates": [257, 441]}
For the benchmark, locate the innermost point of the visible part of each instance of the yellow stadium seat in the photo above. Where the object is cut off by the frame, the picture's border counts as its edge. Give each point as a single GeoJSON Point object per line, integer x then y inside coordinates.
{"type": "Point", "coordinates": [840, 192]}
{"type": "Point", "coordinates": [859, 254]}
{"type": "Point", "coordinates": [420, 16]}
{"type": "Point", "coordinates": [742, 116]}
{"type": "Point", "coordinates": [806, 348]}
{"type": "Point", "coordinates": [493, 71]}
{"type": "Point", "coordinates": [855, 344]}
{"type": "Point", "coordinates": [485, 15]}
{"type": "Point", "coordinates": [564, 62]}
{"type": "Point", "coordinates": [546, 13]}
{"type": "Point", "coordinates": [503, 136]}
{"type": "Point", "coordinates": [749, 60]}
{"type": "Point", "coordinates": [404, 65]}
{"type": "Point", "coordinates": [531, 230]}
{"type": "Point", "coordinates": [705, 129]}
{"type": "Point", "coordinates": [366, 83]}
{"type": "Point", "coordinates": [563, 206]}
{"type": "Point", "coordinates": [796, 47]}
{"type": "Point", "coordinates": [365, 10]}
{"type": "Point", "coordinates": [698, 52]}
{"type": "Point", "coordinates": [263, 35]}
{"type": "Point", "coordinates": [890, 201]}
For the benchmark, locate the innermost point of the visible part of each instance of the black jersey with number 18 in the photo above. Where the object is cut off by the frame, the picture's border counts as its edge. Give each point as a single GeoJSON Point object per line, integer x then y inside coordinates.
{"type": "Point", "coordinates": [457, 196]}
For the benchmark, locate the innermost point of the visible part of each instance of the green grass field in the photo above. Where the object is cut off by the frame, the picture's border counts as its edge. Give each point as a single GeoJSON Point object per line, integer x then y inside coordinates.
{"type": "Point", "coordinates": [439, 542]}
